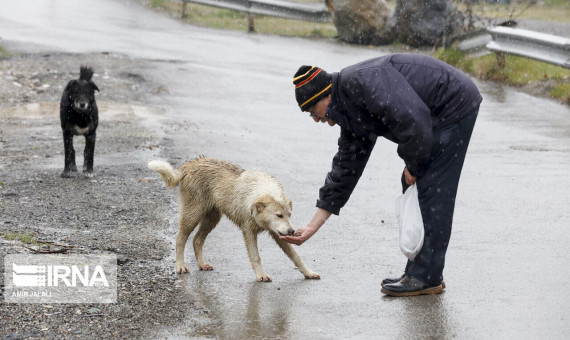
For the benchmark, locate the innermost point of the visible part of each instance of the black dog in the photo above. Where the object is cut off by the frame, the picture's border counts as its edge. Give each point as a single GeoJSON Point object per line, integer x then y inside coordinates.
{"type": "Point", "coordinates": [79, 115]}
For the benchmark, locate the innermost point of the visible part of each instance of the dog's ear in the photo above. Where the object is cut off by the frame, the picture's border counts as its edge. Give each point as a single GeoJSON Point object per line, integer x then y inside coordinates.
{"type": "Point", "coordinates": [257, 207]}
{"type": "Point", "coordinates": [260, 204]}
{"type": "Point", "coordinates": [94, 86]}
{"type": "Point", "coordinates": [291, 205]}
{"type": "Point", "coordinates": [70, 83]}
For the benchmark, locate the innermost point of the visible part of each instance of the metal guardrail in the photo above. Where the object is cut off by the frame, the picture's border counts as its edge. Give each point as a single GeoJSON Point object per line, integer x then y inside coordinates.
{"type": "Point", "coordinates": [276, 8]}
{"type": "Point", "coordinates": [529, 44]}
{"type": "Point", "coordinates": [474, 43]}
{"type": "Point", "coordinates": [544, 47]}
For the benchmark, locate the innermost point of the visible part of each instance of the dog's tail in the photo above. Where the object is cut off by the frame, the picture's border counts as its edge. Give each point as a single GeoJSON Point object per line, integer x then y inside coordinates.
{"type": "Point", "coordinates": [170, 176]}
{"type": "Point", "coordinates": [85, 73]}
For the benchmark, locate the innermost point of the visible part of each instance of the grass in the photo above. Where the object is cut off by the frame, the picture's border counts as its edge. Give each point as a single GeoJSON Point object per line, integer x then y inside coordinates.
{"type": "Point", "coordinates": [207, 16]}
{"type": "Point", "coordinates": [24, 238]}
{"type": "Point", "coordinates": [453, 56]}
{"type": "Point", "coordinates": [3, 53]}
{"type": "Point", "coordinates": [518, 71]}
{"type": "Point", "coordinates": [548, 10]}
{"type": "Point", "coordinates": [562, 91]}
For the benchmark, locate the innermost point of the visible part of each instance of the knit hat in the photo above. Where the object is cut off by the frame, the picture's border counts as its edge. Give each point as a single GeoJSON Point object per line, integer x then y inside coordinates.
{"type": "Point", "coordinates": [312, 84]}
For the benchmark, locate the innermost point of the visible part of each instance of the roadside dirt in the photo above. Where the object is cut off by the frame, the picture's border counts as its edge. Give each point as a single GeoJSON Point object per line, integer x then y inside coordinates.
{"type": "Point", "coordinates": [120, 211]}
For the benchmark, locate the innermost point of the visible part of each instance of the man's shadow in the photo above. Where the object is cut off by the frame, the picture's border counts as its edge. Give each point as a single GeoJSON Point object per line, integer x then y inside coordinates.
{"type": "Point", "coordinates": [426, 316]}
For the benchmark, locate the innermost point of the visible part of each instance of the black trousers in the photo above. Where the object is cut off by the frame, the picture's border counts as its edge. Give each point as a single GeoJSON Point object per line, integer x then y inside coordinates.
{"type": "Point", "coordinates": [437, 189]}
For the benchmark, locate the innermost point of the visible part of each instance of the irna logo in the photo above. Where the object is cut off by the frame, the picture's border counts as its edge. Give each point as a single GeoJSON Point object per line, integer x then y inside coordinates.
{"type": "Point", "coordinates": [56, 275]}
{"type": "Point", "coordinates": [60, 278]}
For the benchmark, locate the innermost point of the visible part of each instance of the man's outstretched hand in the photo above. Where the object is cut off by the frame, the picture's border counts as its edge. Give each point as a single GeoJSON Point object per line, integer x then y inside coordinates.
{"type": "Point", "coordinates": [300, 236]}
{"type": "Point", "coordinates": [305, 233]}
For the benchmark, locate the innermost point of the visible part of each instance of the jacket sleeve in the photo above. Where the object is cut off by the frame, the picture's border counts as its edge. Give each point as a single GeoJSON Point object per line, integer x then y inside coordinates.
{"type": "Point", "coordinates": [347, 167]}
{"type": "Point", "coordinates": [387, 94]}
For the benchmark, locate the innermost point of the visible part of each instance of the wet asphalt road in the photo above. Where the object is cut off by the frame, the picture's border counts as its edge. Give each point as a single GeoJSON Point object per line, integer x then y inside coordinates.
{"type": "Point", "coordinates": [506, 270]}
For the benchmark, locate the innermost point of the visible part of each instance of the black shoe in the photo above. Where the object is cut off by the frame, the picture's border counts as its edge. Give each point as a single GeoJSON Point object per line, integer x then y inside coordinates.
{"type": "Point", "coordinates": [408, 286]}
{"type": "Point", "coordinates": [390, 280]}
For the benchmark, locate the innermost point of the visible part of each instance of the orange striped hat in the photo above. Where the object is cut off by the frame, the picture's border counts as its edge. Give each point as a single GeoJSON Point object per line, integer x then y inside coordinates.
{"type": "Point", "coordinates": [312, 84]}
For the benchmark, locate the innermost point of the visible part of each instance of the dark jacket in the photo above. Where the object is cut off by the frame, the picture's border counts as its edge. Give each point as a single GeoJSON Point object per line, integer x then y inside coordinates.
{"type": "Point", "coordinates": [402, 97]}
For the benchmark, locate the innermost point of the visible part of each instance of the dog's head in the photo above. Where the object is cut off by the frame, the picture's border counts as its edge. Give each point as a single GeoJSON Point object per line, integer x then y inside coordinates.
{"type": "Point", "coordinates": [273, 215]}
{"type": "Point", "coordinates": [81, 91]}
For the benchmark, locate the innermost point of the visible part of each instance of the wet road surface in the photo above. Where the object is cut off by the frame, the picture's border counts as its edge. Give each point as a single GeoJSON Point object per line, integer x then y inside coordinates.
{"type": "Point", "coordinates": [506, 269]}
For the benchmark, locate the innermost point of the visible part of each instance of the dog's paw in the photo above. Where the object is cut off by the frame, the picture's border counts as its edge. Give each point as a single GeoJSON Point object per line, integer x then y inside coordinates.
{"type": "Point", "coordinates": [206, 267]}
{"type": "Point", "coordinates": [182, 269]}
{"type": "Point", "coordinates": [88, 174]}
{"type": "Point", "coordinates": [65, 174]}
{"type": "Point", "coordinates": [264, 278]}
{"type": "Point", "coordinates": [312, 276]}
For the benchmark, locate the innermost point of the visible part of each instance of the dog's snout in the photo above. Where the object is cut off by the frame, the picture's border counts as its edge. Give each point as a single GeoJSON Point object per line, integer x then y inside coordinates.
{"type": "Point", "coordinates": [290, 232]}
{"type": "Point", "coordinates": [81, 104]}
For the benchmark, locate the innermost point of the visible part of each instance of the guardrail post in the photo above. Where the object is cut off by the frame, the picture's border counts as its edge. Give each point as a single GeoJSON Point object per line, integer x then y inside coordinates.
{"type": "Point", "coordinates": [501, 60]}
{"type": "Point", "coordinates": [250, 17]}
{"type": "Point", "coordinates": [184, 9]}
{"type": "Point", "coordinates": [250, 23]}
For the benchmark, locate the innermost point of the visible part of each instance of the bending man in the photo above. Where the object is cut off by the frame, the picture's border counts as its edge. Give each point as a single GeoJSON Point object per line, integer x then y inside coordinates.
{"type": "Point", "coordinates": [425, 106]}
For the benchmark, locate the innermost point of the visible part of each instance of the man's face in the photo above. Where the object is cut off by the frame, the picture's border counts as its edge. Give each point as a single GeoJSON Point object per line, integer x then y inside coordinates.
{"type": "Point", "coordinates": [318, 111]}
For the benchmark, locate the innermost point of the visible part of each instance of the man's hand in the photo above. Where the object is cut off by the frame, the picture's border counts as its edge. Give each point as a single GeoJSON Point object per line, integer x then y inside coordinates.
{"type": "Point", "coordinates": [305, 233]}
{"type": "Point", "coordinates": [408, 177]}
{"type": "Point", "coordinates": [300, 236]}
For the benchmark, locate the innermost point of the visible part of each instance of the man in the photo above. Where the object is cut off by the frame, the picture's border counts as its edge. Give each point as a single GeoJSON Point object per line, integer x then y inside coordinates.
{"type": "Point", "coordinates": [425, 106]}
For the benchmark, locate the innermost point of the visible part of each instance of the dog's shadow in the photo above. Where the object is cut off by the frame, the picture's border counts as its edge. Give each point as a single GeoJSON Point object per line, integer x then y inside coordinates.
{"type": "Point", "coordinates": [261, 325]}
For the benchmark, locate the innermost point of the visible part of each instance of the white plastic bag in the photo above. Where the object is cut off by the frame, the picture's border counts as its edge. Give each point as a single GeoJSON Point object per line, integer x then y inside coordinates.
{"type": "Point", "coordinates": [411, 223]}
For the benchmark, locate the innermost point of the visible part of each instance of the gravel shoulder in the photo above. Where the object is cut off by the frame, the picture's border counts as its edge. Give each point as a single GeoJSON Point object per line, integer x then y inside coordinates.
{"type": "Point", "coordinates": [122, 210]}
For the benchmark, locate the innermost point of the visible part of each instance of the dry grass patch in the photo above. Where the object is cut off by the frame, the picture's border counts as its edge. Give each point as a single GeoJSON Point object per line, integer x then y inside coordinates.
{"type": "Point", "coordinates": [208, 16]}
{"type": "Point", "coordinates": [518, 71]}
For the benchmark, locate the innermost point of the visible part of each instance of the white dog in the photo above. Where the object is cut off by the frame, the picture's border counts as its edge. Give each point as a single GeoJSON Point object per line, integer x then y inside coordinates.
{"type": "Point", "coordinates": [253, 200]}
